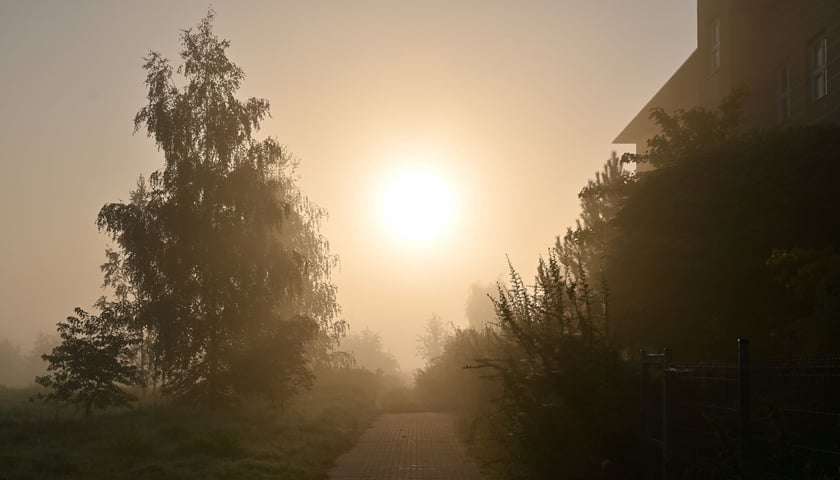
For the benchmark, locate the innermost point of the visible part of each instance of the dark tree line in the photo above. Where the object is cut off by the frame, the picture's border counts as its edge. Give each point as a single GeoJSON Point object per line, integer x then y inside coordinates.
{"type": "Point", "coordinates": [220, 277]}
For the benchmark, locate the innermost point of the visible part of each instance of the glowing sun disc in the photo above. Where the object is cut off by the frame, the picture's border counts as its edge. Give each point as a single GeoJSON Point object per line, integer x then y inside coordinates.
{"type": "Point", "coordinates": [418, 206]}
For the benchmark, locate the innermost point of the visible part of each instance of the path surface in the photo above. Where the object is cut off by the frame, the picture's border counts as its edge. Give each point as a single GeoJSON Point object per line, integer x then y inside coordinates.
{"type": "Point", "coordinates": [408, 446]}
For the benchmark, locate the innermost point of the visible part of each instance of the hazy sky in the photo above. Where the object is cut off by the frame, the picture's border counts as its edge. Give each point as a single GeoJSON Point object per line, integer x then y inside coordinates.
{"type": "Point", "coordinates": [514, 103]}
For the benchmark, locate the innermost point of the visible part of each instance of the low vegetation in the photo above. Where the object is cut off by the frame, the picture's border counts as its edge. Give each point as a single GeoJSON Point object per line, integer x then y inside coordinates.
{"type": "Point", "coordinates": [542, 393]}
{"type": "Point", "coordinates": [157, 440]}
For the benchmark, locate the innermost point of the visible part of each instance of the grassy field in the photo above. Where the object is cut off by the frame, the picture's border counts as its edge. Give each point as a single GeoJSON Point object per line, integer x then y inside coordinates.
{"type": "Point", "coordinates": [167, 442]}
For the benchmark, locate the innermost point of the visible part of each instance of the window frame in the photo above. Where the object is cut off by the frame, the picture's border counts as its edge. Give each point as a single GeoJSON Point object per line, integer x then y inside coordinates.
{"type": "Point", "coordinates": [714, 45]}
{"type": "Point", "coordinates": [783, 92]}
{"type": "Point", "coordinates": [818, 67]}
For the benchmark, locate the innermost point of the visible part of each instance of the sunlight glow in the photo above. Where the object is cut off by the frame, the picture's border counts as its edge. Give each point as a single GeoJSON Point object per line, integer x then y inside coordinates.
{"type": "Point", "coordinates": [418, 205]}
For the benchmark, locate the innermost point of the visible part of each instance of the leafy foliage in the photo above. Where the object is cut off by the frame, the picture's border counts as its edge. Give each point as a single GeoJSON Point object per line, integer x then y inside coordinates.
{"type": "Point", "coordinates": [542, 390]}
{"type": "Point", "coordinates": [93, 361]}
{"type": "Point", "coordinates": [688, 266]}
{"type": "Point", "coordinates": [685, 134]}
{"type": "Point", "coordinates": [561, 376]}
{"type": "Point", "coordinates": [220, 275]}
{"type": "Point", "coordinates": [585, 246]}
{"type": "Point", "coordinates": [813, 277]}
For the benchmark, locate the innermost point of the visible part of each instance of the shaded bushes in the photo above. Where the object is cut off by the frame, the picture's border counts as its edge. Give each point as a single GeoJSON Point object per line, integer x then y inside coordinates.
{"type": "Point", "coordinates": [447, 384]}
{"type": "Point", "coordinates": [544, 392]}
{"type": "Point", "coordinates": [688, 265]}
{"type": "Point", "coordinates": [564, 401]}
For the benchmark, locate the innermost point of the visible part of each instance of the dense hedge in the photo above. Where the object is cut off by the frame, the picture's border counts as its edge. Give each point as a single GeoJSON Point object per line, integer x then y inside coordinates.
{"type": "Point", "coordinates": [688, 266]}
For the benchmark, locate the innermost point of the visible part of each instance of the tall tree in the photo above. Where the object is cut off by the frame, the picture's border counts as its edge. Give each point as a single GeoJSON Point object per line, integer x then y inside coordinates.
{"type": "Point", "coordinates": [600, 201]}
{"type": "Point", "coordinates": [220, 252]}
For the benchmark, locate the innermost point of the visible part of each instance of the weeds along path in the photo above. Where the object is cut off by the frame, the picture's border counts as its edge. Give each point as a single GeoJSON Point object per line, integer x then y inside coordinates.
{"type": "Point", "coordinates": [416, 446]}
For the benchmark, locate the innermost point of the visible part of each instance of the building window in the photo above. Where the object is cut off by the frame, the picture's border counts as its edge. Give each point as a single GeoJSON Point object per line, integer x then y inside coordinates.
{"type": "Point", "coordinates": [784, 93]}
{"type": "Point", "coordinates": [714, 44]}
{"type": "Point", "coordinates": [819, 70]}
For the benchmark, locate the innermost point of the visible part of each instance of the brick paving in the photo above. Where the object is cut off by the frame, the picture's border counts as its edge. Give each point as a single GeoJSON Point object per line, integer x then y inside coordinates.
{"type": "Point", "coordinates": [408, 446]}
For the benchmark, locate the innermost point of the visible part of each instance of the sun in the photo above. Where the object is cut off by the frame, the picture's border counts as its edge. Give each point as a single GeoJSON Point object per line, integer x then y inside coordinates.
{"type": "Point", "coordinates": [418, 205]}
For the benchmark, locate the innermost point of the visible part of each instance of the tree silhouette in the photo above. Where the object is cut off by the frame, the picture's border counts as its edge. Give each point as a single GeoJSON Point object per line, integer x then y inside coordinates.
{"type": "Point", "coordinates": [93, 361]}
{"type": "Point", "coordinates": [480, 311]}
{"type": "Point", "coordinates": [600, 201]}
{"type": "Point", "coordinates": [219, 252]}
{"type": "Point", "coordinates": [431, 343]}
{"type": "Point", "coordinates": [366, 348]}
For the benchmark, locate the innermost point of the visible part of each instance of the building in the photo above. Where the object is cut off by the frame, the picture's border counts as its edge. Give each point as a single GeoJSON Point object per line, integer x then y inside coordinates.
{"type": "Point", "coordinates": [786, 52]}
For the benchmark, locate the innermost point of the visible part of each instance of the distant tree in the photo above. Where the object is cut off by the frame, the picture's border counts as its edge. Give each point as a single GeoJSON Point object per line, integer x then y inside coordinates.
{"type": "Point", "coordinates": [368, 352]}
{"type": "Point", "coordinates": [447, 384]}
{"type": "Point", "coordinates": [44, 343]}
{"type": "Point", "coordinates": [480, 312]}
{"type": "Point", "coordinates": [11, 360]}
{"type": "Point", "coordinates": [19, 369]}
{"type": "Point", "coordinates": [431, 343]}
{"type": "Point", "coordinates": [93, 362]}
{"type": "Point", "coordinates": [219, 253]}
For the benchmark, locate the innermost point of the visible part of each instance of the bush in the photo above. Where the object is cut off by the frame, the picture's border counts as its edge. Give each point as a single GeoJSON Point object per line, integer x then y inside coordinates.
{"type": "Point", "coordinates": [543, 393]}
{"type": "Point", "coordinates": [447, 383]}
{"type": "Point", "coordinates": [563, 407]}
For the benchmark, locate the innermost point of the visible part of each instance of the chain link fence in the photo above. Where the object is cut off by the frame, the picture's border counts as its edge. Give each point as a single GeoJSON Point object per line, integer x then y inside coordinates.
{"type": "Point", "coordinates": [744, 420]}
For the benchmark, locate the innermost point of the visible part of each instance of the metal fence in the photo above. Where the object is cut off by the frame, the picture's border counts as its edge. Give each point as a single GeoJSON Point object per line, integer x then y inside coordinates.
{"type": "Point", "coordinates": [743, 420]}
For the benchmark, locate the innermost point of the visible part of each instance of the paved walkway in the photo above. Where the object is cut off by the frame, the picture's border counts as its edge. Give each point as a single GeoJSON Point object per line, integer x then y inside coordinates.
{"type": "Point", "coordinates": [408, 446]}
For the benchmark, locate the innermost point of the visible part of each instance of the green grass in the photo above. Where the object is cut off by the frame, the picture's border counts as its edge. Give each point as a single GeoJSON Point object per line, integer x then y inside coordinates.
{"type": "Point", "coordinates": [168, 442]}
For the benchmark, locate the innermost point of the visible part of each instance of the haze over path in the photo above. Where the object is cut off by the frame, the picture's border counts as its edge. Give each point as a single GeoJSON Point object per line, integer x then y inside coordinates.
{"type": "Point", "coordinates": [403, 446]}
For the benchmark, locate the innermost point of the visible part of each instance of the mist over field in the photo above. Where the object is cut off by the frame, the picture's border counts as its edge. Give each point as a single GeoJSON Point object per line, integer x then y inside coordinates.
{"type": "Point", "coordinates": [480, 240]}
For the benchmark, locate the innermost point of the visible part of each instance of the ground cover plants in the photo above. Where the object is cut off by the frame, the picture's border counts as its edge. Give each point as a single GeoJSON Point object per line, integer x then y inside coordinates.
{"type": "Point", "coordinates": [168, 441]}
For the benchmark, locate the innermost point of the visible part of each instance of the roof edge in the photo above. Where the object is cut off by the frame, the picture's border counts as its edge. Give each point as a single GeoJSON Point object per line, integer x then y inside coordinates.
{"type": "Point", "coordinates": [630, 131]}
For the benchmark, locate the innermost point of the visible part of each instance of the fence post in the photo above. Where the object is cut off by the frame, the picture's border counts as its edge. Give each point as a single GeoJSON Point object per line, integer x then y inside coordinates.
{"type": "Point", "coordinates": [644, 383]}
{"type": "Point", "coordinates": [743, 399]}
{"type": "Point", "coordinates": [666, 433]}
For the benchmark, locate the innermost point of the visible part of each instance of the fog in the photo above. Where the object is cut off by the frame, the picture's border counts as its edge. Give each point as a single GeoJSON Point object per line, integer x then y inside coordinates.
{"type": "Point", "coordinates": [514, 104]}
